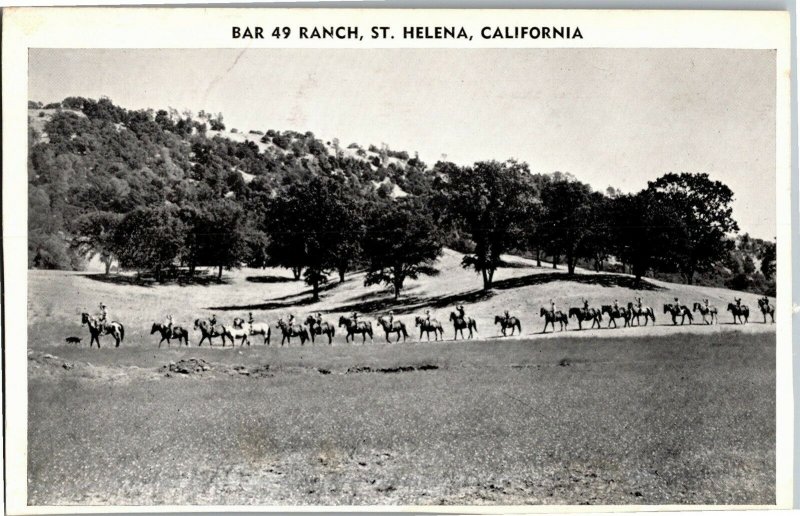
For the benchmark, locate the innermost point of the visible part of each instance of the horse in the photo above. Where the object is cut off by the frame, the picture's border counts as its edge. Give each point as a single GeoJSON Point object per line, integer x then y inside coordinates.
{"type": "Point", "coordinates": [255, 328]}
{"type": "Point", "coordinates": [711, 310]}
{"type": "Point", "coordinates": [459, 323]}
{"type": "Point", "coordinates": [292, 330]}
{"type": "Point", "coordinates": [209, 331]}
{"type": "Point", "coordinates": [427, 326]}
{"type": "Point", "coordinates": [616, 313]}
{"type": "Point", "coordinates": [238, 332]}
{"type": "Point", "coordinates": [398, 327]}
{"type": "Point", "coordinates": [551, 318]}
{"type": "Point", "coordinates": [98, 328]}
{"type": "Point", "coordinates": [176, 332]}
{"type": "Point", "coordinates": [766, 308]}
{"type": "Point", "coordinates": [323, 328]}
{"type": "Point", "coordinates": [510, 322]}
{"type": "Point", "coordinates": [739, 312]}
{"type": "Point", "coordinates": [588, 314]}
{"type": "Point", "coordinates": [637, 312]}
{"type": "Point", "coordinates": [678, 310]}
{"type": "Point", "coordinates": [362, 327]}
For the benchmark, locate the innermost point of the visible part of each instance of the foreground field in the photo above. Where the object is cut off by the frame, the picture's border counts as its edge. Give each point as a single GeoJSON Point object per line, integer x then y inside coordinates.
{"type": "Point", "coordinates": [685, 418]}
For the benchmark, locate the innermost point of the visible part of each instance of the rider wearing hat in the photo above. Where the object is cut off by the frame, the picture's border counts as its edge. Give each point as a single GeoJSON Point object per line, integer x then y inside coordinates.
{"type": "Point", "coordinates": [169, 322]}
{"type": "Point", "coordinates": [103, 313]}
{"type": "Point", "coordinates": [427, 315]}
{"type": "Point", "coordinates": [616, 305]}
{"type": "Point", "coordinates": [391, 316]}
{"type": "Point", "coordinates": [460, 310]}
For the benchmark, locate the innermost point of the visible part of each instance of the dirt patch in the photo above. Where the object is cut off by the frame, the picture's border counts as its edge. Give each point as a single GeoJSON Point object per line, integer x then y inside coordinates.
{"type": "Point", "coordinates": [398, 369]}
{"type": "Point", "coordinates": [259, 371]}
{"type": "Point", "coordinates": [187, 366]}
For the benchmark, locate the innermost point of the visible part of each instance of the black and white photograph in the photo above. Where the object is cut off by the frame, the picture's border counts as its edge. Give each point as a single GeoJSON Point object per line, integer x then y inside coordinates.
{"type": "Point", "coordinates": [374, 276]}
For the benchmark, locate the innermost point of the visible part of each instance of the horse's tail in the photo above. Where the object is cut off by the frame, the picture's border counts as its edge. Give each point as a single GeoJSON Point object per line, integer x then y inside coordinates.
{"type": "Point", "coordinates": [475, 324]}
{"type": "Point", "coordinates": [653, 315]}
{"type": "Point", "coordinates": [519, 325]}
{"type": "Point", "coordinates": [403, 329]}
{"type": "Point", "coordinates": [121, 332]}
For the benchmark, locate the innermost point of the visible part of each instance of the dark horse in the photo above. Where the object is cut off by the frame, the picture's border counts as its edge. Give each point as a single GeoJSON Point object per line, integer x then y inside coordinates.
{"type": "Point", "coordinates": [209, 331]}
{"type": "Point", "coordinates": [459, 323]}
{"type": "Point", "coordinates": [551, 318]}
{"type": "Point", "coordinates": [711, 310]}
{"type": "Point", "coordinates": [362, 327]}
{"type": "Point", "coordinates": [614, 314]}
{"type": "Point", "coordinates": [427, 326]}
{"type": "Point", "coordinates": [510, 322]}
{"type": "Point", "coordinates": [766, 308]}
{"type": "Point", "coordinates": [98, 328]}
{"type": "Point", "coordinates": [177, 332]}
{"type": "Point", "coordinates": [739, 312]}
{"type": "Point", "coordinates": [292, 330]}
{"type": "Point", "coordinates": [589, 314]}
{"type": "Point", "coordinates": [678, 310]}
{"type": "Point", "coordinates": [637, 311]}
{"type": "Point", "coordinates": [323, 328]}
{"type": "Point", "coordinates": [398, 327]}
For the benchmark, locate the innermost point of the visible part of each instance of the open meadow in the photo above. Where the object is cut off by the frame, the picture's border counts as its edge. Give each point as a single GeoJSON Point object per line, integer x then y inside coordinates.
{"type": "Point", "coordinates": [683, 415]}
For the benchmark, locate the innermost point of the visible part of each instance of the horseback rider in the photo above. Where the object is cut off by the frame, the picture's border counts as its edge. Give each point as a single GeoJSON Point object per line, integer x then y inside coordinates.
{"type": "Point", "coordinates": [585, 306]}
{"type": "Point", "coordinates": [677, 304]}
{"type": "Point", "coordinates": [460, 310]}
{"type": "Point", "coordinates": [213, 320]}
{"type": "Point", "coordinates": [169, 322]}
{"type": "Point", "coordinates": [508, 317]}
{"type": "Point", "coordinates": [738, 302]}
{"type": "Point", "coordinates": [552, 308]}
{"type": "Point", "coordinates": [318, 319]}
{"type": "Point", "coordinates": [355, 318]}
{"type": "Point", "coordinates": [705, 303]}
{"type": "Point", "coordinates": [250, 319]}
{"type": "Point", "coordinates": [427, 316]}
{"type": "Point", "coordinates": [391, 317]}
{"type": "Point", "coordinates": [616, 306]}
{"type": "Point", "coordinates": [103, 317]}
{"type": "Point", "coordinates": [765, 303]}
{"type": "Point", "coordinates": [291, 320]}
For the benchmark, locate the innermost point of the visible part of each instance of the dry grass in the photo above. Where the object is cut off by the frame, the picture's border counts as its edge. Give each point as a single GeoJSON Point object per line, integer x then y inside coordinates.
{"type": "Point", "coordinates": [678, 419]}
{"type": "Point", "coordinates": [684, 415]}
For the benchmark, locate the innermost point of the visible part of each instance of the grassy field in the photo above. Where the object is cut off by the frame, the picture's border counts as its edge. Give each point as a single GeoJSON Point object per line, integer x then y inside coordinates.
{"type": "Point", "coordinates": [683, 418]}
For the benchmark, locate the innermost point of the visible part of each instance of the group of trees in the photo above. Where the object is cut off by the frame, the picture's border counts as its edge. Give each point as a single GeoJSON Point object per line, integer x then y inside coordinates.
{"type": "Point", "coordinates": [151, 191]}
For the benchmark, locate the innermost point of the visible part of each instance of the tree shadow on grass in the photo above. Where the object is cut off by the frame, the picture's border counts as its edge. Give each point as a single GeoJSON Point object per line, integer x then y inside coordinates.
{"type": "Point", "coordinates": [406, 305]}
{"type": "Point", "coordinates": [270, 279]}
{"type": "Point", "coordinates": [281, 301]}
{"type": "Point", "coordinates": [604, 280]}
{"type": "Point", "coordinates": [150, 281]}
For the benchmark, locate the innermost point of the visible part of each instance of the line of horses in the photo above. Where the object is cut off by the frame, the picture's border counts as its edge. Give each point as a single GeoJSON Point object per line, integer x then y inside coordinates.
{"type": "Point", "coordinates": [311, 328]}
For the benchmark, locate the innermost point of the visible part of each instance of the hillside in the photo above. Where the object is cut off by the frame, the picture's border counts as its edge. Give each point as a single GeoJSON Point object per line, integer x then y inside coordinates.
{"type": "Point", "coordinates": [92, 164]}
{"type": "Point", "coordinates": [522, 288]}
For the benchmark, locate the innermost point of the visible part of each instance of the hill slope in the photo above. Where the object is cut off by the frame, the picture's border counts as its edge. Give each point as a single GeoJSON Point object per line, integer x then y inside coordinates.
{"type": "Point", "coordinates": [56, 299]}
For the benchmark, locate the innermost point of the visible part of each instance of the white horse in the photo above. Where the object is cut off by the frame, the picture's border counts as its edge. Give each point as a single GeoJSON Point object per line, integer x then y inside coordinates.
{"type": "Point", "coordinates": [255, 328]}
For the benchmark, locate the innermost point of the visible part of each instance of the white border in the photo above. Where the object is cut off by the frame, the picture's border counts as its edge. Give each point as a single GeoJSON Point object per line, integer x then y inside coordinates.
{"type": "Point", "coordinates": [26, 28]}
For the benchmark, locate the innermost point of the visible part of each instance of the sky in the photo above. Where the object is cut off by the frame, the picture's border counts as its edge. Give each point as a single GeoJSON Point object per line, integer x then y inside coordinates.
{"type": "Point", "coordinates": [611, 117]}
